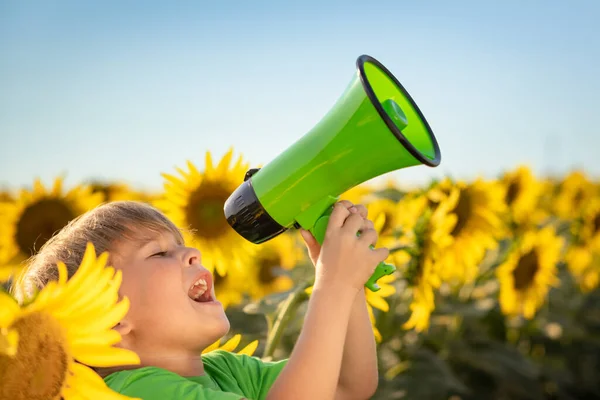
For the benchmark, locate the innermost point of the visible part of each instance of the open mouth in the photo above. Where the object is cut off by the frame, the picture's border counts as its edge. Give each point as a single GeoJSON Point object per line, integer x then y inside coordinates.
{"type": "Point", "coordinates": [201, 289]}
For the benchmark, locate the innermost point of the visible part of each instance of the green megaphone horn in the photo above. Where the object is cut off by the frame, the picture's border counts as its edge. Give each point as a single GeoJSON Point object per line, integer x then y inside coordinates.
{"type": "Point", "coordinates": [375, 127]}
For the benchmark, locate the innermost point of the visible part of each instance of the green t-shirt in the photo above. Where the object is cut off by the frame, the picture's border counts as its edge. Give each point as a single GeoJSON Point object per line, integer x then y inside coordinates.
{"type": "Point", "coordinates": [228, 376]}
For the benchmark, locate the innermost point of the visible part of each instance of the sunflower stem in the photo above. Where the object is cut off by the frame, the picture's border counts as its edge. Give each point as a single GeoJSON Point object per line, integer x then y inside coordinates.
{"type": "Point", "coordinates": [409, 249]}
{"type": "Point", "coordinates": [288, 309]}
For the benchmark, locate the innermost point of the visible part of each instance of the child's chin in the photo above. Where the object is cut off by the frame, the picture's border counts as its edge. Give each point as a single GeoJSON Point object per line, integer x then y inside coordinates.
{"type": "Point", "coordinates": [219, 328]}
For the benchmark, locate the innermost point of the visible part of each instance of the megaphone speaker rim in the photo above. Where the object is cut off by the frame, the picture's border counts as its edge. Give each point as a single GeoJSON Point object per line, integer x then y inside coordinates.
{"type": "Point", "coordinates": [360, 62]}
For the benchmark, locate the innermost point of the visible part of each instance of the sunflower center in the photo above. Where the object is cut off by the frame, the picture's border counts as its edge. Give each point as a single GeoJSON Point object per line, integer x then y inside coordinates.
{"type": "Point", "coordinates": [512, 192]}
{"type": "Point", "coordinates": [525, 271]}
{"type": "Point", "coordinates": [98, 187]}
{"type": "Point", "coordinates": [578, 198]}
{"type": "Point", "coordinates": [463, 210]}
{"type": "Point", "coordinates": [39, 369]}
{"type": "Point", "coordinates": [40, 221]}
{"type": "Point", "coordinates": [218, 280]}
{"type": "Point", "coordinates": [596, 223]}
{"type": "Point", "coordinates": [267, 265]}
{"type": "Point", "coordinates": [205, 210]}
{"type": "Point", "coordinates": [387, 223]}
{"type": "Point", "coordinates": [5, 196]}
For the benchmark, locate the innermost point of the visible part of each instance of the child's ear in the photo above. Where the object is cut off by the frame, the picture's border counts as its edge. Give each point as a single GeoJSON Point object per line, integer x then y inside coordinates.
{"type": "Point", "coordinates": [124, 328]}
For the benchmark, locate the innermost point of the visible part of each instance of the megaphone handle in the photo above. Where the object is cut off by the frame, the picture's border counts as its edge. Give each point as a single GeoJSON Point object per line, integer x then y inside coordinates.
{"type": "Point", "coordinates": [382, 269]}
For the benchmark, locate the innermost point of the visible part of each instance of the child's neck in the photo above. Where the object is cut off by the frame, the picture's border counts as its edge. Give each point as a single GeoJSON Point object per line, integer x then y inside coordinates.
{"type": "Point", "coordinates": [189, 364]}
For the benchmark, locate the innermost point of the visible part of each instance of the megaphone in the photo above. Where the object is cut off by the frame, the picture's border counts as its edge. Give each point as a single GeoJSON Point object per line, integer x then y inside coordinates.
{"type": "Point", "coordinates": [374, 128]}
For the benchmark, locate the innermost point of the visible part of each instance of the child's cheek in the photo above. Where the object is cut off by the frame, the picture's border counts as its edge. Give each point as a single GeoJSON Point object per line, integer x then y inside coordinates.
{"type": "Point", "coordinates": [163, 285]}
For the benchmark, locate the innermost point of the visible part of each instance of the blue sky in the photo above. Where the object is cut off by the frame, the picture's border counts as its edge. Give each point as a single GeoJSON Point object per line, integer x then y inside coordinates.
{"type": "Point", "coordinates": [124, 90]}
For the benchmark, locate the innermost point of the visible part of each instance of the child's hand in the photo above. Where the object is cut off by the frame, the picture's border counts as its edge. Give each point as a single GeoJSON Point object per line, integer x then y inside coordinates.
{"type": "Point", "coordinates": [314, 248]}
{"type": "Point", "coordinates": [345, 258]}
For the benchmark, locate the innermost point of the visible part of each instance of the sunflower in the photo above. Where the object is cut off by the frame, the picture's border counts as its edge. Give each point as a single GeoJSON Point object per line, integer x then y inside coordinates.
{"type": "Point", "coordinates": [432, 235]}
{"type": "Point", "coordinates": [71, 320]}
{"type": "Point", "coordinates": [421, 306]}
{"type": "Point", "coordinates": [398, 220]}
{"type": "Point", "coordinates": [391, 212]}
{"type": "Point", "coordinates": [573, 194]}
{"type": "Point", "coordinates": [377, 300]}
{"type": "Point", "coordinates": [529, 271]}
{"type": "Point", "coordinates": [522, 195]}
{"type": "Point", "coordinates": [116, 191]}
{"type": "Point", "coordinates": [195, 200]}
{"type": "Point", "coordinates": [386, 217]}
{"type": "Point", "coordinates": [28, 222]}
{"type": "Point", "coordinates": [477, 208]}
{"type": "Point", "coordinates": [590, 223]}
{"type": "Point", "coordinates": [405, 216]}
{"type": "Point", "coordinates": [583, 254]}
{"type": "Point", "coordinates": [269, 264]}
{"type": "Point", "coordinates": [231, 288]}
{"type": "Point", "coordinates": [6, 196]}
{"type": "Point", "coordinates": [584, 264]}
{"type": "Point", "coordinates": [548, 187]}
{"type": "Point", "coordinates": [231, 345]}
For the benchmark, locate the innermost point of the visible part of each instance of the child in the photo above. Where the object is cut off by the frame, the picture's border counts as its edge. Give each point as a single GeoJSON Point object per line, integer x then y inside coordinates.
{"type": "Point", "coordinates": [174, 314]}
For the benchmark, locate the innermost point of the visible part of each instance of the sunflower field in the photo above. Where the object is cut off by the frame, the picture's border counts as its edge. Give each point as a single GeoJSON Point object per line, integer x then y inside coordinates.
{"type": "Point", "coordinates": [495, 294]}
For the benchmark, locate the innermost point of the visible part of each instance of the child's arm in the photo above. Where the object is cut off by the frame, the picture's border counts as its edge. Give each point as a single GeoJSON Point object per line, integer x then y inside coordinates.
{"type": "Point", "coordinates": [313, 368]}
{"type": "Point", "coordinates": [344, 264]}
{"type": "Point", "coordinates": [359, 376]}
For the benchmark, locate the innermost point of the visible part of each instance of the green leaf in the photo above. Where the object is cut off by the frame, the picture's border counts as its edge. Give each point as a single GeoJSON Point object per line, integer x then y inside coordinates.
{"type": "Point", "coordinates": [496, 369]}
{"type": "Point", "coordinates": [427, 377]}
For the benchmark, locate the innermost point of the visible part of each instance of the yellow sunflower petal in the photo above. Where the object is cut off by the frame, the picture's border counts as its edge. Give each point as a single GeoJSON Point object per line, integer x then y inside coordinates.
{"type": "Point", "coordinates": [106, 320]}
{"type": "Point", "coordinates": [85, 382]}
{"type": "Point", "coordinates": [9, 309]}
{"type": "Point", "coordinates": [212, 347]}
{"type": "Point", "coordinates": [225, 162]}
{"type": "Point", "coordinates": [232, 343]}
{"type": "Point", "coordinates": [378, 302]}
{"type": "Point", "coordinates": [208, 164]}
{"type": "Point", "coordinates": [386, 290]}
{"type": "Point", "coordinates": [173, 179]}
{"type": "Point", "coordinates": [108, 338]}
{"type": "Point", "coordinates": [193, 170]}
{"type": "Point", "coordinates": [249, 349]}
{"type": "Point", "coordinates": [104, 356]}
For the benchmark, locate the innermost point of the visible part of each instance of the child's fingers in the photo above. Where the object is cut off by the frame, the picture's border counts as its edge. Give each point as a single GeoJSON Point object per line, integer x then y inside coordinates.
{"type": "Point", "coordinates": [313, 247]}
{"type": "Point", "coordinates": [308, 237]}
{"type": "Point", "coordinates": [361, 210]}
{"type": "Point", "coordinates": [369, 237]}
{"type": "Point", "coordinates": [346, 203]}
{"type": "Point", "coordinates": [367, 224]}
{"type": "Point", "coordinates": [353, 223]}
{"type": "Point", "coordinates": [338, 215]}
{"type": "Point", "coordinates": [381, 254]}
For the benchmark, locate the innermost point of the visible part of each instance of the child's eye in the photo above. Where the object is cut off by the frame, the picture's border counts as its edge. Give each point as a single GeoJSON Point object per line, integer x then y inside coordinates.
{"type": "Point", "coordinates": [159, 254]}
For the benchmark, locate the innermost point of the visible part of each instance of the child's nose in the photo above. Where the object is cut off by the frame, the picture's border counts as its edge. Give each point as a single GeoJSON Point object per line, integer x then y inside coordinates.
{"type": "Point", "coordinates": [192, 256]}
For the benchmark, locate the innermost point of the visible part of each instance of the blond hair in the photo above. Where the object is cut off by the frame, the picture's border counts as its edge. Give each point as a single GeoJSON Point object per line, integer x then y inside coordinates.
{"type": "Point", "coordinates": [104, 227]}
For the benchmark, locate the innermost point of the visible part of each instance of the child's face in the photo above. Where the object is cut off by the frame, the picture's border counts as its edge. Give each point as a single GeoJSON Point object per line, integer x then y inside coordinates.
{"type": "Point", "coordinates": [167, 312]}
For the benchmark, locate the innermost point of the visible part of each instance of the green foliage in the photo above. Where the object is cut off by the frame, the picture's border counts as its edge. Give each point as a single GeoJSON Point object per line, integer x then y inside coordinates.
{"type": "Point", "coordinates": [471, 350]}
